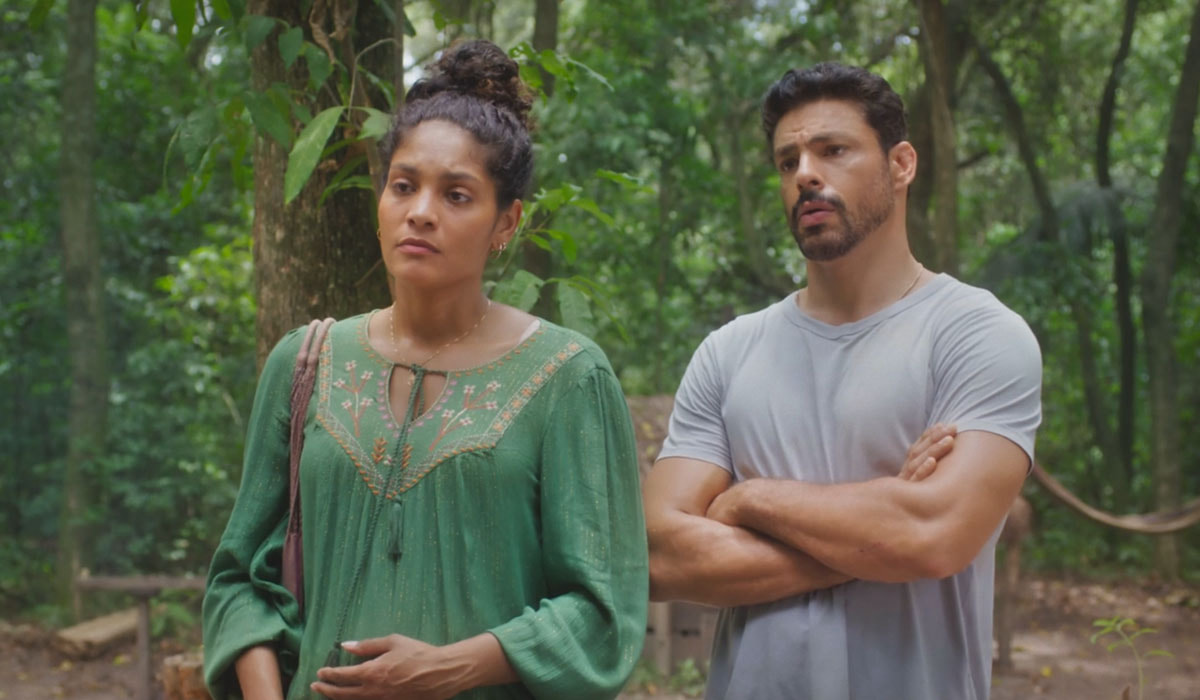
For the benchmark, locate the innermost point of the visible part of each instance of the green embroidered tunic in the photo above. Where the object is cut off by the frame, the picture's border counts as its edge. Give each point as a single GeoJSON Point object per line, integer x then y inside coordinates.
{"type": "Point", "coordinates": [511, 505]}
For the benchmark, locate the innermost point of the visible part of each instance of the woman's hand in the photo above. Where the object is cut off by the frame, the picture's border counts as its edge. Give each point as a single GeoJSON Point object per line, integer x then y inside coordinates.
{"type": "Point", "coordinates": [398, 666]}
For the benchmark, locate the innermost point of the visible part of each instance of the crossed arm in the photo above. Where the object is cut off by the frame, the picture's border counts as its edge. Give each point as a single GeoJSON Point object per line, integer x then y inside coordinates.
{"type": "Point", "coordinates": [765, 539]}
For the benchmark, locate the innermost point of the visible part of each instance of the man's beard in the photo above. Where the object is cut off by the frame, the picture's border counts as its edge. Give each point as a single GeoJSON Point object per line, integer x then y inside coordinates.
{"type": "Point", "coordinates": [855, 226]}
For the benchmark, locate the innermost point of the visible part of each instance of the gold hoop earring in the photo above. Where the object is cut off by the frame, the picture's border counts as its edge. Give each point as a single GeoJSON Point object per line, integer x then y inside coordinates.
{"type": "Point", "coordinates": [379, 234]}
{"type": "Point", "coordinates": [499, 250]}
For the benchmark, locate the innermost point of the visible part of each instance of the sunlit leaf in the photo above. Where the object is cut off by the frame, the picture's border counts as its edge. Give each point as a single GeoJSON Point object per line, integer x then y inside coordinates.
{"type": "Point", "coordinates": [520, 291]}
{"type": "Point", "coordinates": [575, 309]}
{"type": "Point", "coordinates": [307, 151]}
{"type": "Point", "coordinates": [376, 124]}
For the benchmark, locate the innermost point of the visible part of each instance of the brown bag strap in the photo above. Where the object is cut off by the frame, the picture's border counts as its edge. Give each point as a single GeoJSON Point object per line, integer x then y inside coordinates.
{"type": "Point", "coordinates": [303, 379]}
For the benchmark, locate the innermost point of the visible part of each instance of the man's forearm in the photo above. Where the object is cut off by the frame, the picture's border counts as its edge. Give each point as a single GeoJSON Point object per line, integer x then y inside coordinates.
{"type": "Point", "coordinates": [869, 530]}
{"type": "Point", "coordinates": [701, 560]}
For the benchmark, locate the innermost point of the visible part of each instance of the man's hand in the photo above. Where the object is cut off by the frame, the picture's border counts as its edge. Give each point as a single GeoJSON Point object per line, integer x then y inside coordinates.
{"type": "Point", "coordinates": [935, 443]}
{"type": "Point", "coordinates": [400, 667]}
{"type": "Point", "coordinates": [921, 461]}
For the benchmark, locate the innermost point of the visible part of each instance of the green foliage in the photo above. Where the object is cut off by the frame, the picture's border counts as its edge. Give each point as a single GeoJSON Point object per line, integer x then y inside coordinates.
{"type": "Point", "coordinates": [688, 679]}
{"type": "Point", "coordinates": [1127, 632]}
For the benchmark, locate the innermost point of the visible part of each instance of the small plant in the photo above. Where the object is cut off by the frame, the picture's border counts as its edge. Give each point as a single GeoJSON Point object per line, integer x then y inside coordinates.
{"type": "Point", "coordinates": [1127, 632]}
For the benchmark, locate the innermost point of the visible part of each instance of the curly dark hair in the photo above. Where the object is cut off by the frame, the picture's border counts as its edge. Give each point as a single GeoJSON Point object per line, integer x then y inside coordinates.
{"type": "Point", "coordinates": [880, 105]}
{"type": "Point", "coordinates": [476, 86]}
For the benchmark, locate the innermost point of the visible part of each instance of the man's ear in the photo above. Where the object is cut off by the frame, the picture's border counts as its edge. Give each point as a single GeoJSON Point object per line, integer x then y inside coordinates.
{"type": "Point", "coordinates": [506, 224]}
{"type": "Point", "coordinates": [902, 163]}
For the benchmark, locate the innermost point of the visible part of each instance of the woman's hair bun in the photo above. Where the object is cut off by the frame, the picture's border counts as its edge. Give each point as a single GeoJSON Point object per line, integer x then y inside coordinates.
{"type": "Point", "coordinates": [481, 69]}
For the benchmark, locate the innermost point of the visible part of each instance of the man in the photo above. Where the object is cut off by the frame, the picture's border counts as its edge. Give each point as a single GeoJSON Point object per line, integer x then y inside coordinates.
{"type": "Point", "coordinates": [782, 493]}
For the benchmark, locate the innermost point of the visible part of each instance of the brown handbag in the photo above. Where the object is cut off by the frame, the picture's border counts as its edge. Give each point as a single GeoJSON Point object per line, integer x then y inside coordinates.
{"type": "Point", "coordinates": [304, 377]}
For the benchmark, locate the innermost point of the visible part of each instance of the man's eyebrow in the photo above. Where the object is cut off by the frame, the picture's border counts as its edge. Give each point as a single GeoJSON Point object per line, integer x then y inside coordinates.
{"type": "Point", "coordinates": [788, 149]}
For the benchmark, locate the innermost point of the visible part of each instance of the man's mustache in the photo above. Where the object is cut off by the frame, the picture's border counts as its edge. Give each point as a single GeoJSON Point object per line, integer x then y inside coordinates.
{"type": "Point", "coordinates": [813, 196]}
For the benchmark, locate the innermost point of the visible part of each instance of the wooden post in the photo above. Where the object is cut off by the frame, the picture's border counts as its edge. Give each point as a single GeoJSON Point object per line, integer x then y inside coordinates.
{"type": "Point", "coordinates": [144, 588]}
{"type": "Point", "coordinates": [145, 674]}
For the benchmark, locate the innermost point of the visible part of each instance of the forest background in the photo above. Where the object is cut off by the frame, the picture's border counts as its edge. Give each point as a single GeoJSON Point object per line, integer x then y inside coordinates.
{"type": "Point", "coordinates": [181, 182]}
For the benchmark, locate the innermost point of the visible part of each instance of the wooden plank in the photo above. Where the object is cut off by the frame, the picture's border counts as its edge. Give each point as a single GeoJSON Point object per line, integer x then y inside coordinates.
{"type": "Point", "coordinates": [92, 638]}
{"type": "Point", "coordinates": [139, 585]}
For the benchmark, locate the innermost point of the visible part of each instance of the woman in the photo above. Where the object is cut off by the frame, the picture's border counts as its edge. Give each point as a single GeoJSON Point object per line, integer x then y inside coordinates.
{"type": "Point", "coordinates": [471, 514]}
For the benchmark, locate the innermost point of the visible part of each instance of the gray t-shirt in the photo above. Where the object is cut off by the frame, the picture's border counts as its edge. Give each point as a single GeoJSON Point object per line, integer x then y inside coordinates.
{"type": "Point", "coordinates": [779, 394]}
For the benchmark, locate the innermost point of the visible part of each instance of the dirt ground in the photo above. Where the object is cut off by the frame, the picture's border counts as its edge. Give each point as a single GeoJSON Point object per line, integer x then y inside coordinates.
{"type": "Point", "coordinates": [1052, 655]}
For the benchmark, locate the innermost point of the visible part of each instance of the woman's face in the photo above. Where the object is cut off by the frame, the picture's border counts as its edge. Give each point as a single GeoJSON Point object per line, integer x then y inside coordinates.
{"type": "Point", "coordinates": [438, 216]}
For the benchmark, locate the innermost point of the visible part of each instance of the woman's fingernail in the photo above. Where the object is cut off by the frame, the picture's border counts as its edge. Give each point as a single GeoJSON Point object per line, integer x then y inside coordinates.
{"type": "Point", "coordinates": [349, 643]}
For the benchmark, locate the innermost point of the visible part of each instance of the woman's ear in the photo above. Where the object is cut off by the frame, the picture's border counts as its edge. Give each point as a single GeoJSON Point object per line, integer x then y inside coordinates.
{"type": "Point", "coordinates": [506, 224]}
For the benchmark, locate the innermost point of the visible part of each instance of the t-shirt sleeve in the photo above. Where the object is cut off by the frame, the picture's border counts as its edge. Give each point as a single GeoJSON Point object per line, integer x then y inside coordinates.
{"type": "Point", "coordinates": [697, 426]}
{"type": "Point", "coordinates": [245, 602]}
{"type": "Point", "coordinates": [988, 376]}
{"type": "Point", "coordinates": [583, 639]}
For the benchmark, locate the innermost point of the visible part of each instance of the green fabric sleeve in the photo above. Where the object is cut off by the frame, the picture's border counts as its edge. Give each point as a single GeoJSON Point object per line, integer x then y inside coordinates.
{"type": "Point", "coordinates": [582, 641]}
{"type": "Point", "coordinates": [245, 603]}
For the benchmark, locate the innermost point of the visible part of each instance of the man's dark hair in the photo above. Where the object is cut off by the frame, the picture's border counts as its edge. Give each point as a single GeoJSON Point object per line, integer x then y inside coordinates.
{"type": "Point", "coordinates": [880, 105]}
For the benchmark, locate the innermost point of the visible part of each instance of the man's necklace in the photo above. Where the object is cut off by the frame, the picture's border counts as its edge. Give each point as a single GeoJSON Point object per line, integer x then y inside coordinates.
{"type": "Point", "coordinates": [423, 363]}
{"type": "Point", "coordinates": [920, 271]}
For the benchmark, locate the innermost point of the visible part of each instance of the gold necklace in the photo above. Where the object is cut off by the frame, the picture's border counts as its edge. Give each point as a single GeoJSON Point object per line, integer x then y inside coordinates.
{"type": "Point", "coordinates": [920, 271]}
{"type": "Point", "coordinates": [427, 360]}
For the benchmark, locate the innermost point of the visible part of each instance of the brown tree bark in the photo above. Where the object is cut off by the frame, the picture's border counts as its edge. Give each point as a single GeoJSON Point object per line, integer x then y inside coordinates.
{"type": "Point", "coordinates": [939, 77]}
{"type": "Point", "coordinates": [534, 259]}
{"type": "Point", "coordinates": [88, 404]}
{"type": "Point", "coordinates": [310, 259]}
{"type": "Point", "coordinates": [1157, 275]}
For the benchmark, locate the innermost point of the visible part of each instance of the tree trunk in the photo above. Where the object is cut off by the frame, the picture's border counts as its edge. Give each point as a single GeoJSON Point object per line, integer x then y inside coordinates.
{"type": "Point", "coordinates": [536, 260]}
{"type": "Point", "coordinates": [310, 260]}
{"type": "Point", "coordinates": [1156, 296]}
{"type": "Point", "coordinates": [1122, 269]}
{"type": "Point", "coordinates": [920, 193]}
{"type": "Point", "coordinates": [939, 76]}
{"type": "Point", "coordinates": [1015, 117]}
{"type": "Point", "coordinates": [88, 405]}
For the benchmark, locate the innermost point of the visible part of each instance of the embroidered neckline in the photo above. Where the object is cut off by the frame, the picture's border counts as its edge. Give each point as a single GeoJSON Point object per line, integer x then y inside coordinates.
{"type": "Point", "coordinates": [383, 400]}
{"type": "Point", "coordinates": [491, 398]}
{"type": "Point", "coordinates": [364, 337]}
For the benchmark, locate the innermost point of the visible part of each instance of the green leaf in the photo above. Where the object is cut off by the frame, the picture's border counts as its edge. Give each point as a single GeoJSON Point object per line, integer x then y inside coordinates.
{"type": "Point", "coordinates": [588, 69]}
{"type": "Point", "coordinates": [318, 64]}
{"type": "Point", "coordinates": [196, 134]}
{"type": "Point", "coordinates": [551, 63]}
{"type": "Point", "coordinates": [1159, 652]}
{"type": "Point", "coordinates": [267, 119]}
{"type": "Point", "coordinates": [570, 248]}
{"type": "Point", "coordinates": [37, 16]}
{"type": "Point", "coordinates": [289, 45]}
{"type": "Point", "coordinates": [575, 310]}
{"type": "Point", "coordinates": [307, 151]}
{"type": "Point", "coordinates": [520, 291]}
{"type": "Point", "coordinates": [255, 29]}
{"type": "Point", "coordinates": [589, 205]}
{"type": "Point", "coordinates": [376, 124]}
{"type": "Point", "coordinates": [184, 14]}
{"type": "Point", "coordinates": [625, 180]}
{"type": "Point", "coordinates": [221, 7]}
{"type": "Point", "coordinates": [551, 200]}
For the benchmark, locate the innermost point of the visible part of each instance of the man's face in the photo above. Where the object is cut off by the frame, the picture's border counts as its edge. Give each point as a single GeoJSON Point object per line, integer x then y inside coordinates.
{"type": "Point", "coordinates": [835, 179]}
